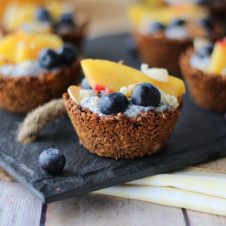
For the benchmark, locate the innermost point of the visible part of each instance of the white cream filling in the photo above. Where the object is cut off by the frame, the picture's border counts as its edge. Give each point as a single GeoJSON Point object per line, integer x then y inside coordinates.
{"type": "Point", "coordinates": [28, 68]}
{"type": "Point", "coordinates": [179, 32]}
{"type": "Point", "coordinates": [200, 63]}
{"type": "Point", "coordinates": [91, 102]}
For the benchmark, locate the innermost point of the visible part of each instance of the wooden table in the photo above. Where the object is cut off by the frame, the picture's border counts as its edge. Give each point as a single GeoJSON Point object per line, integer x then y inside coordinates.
{"type": "Point", "coordinates": [20, 208]}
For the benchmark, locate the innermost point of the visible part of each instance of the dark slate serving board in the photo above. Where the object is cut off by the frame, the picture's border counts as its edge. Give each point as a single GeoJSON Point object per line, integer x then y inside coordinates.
{"type": "Point", "coordinates": [200, 136]}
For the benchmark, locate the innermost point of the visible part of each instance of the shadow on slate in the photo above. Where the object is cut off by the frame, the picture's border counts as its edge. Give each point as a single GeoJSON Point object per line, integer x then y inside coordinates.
{"type": "Point", "coordinates": [200, 136]}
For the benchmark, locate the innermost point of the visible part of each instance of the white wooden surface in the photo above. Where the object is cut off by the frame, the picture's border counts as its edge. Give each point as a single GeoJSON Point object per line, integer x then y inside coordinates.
{"type": "Point", "coordinates": [18, 207]}
{"type": "Point", "coordinates": [94, 210]}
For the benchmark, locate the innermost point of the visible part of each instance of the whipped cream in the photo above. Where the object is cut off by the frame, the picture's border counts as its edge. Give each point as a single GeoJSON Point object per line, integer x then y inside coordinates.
{"type": "Point", "coordinates": [28, 68]}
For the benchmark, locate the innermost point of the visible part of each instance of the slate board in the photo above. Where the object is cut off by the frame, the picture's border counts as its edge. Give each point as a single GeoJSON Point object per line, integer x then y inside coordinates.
{"type": "Point", "coordinates": [200, 136]}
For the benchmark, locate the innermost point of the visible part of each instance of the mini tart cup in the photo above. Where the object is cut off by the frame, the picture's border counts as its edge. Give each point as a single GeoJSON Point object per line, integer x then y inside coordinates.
{"type": "Point", "coordinates": [120, 137]}
{"type": "Point", "coordinates": [207, 90]}
{"type": "Point", "coordinates": [158, 51]}
{"type": "Point", "coordinates": [23, 94]}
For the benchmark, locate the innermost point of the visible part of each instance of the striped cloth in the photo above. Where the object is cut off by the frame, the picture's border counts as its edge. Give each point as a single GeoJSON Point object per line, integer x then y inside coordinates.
{"type": "Point", "coordinates": [192, 188]}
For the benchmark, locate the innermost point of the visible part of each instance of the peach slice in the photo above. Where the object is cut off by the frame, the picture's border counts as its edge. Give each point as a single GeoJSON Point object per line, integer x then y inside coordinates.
{"type": "Point", "coordinates": [16, 15]}
{"type": "Point", "coordinates": [218, 58]}
{"type": "Point", "coordinates": [114, 76]}
{"type": "Point", "coordinates": [140, 13]}
{"type": "Point", "coordinates": [74, 93]}
{"type": "Point", "coordinates": [20, 47]}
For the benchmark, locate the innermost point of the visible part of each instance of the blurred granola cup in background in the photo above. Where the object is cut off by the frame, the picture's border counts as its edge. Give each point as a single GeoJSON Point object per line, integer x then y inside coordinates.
{"type": "Point", "coordinates": [163, 34]}
{"type": "Point", "coordinates": [204, 69]}
{"type": "Point", "coordinates": [58, 17]}
{"type": "Point", "coordinates": [35, 72]}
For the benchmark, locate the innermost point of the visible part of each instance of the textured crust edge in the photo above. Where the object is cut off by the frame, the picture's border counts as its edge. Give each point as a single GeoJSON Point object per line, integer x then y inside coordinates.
{"type": "Point", "coordinates": [158, 51]}
{"type": "Point", "coordinates": [120, 137]}
{"type": "Point", "coordinates": [23, 94]}
{"type": "Point", "coordinates": [207, 90]}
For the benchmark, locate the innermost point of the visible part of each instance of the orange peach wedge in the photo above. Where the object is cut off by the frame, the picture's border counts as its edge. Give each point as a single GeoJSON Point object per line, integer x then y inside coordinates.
{"type": "Point", "coordinates": [218, 58]}
{"type": "Point", "coordinates": [114, 76]}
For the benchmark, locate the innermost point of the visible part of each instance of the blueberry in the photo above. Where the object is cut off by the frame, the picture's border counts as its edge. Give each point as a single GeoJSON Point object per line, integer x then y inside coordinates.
{"type": "Point", "coordinates": [207, 23]}
{"type": "Point", "coordinates": [205, 51]}
{"type": "Point", "coordinates": [52, 161]}
{"type": "Point", "coordinates": [156, 27]}
{"type": "Point", "coordinates": [177, 23]}
{"type": "Point", "coordinates": [68, 54]}
{"type": "Point", "coordinates": [67, 19]}
{"type": "Point", "coordinates": [113, 103]}
{"type": "Point", "coordinates": [43, 15]}
{"type": "Point", "coordinates": [49, 59]}
{"type": "Point", "coordinates": [146, 95]}
{"type": "Point", "coordinates": [85, 84]}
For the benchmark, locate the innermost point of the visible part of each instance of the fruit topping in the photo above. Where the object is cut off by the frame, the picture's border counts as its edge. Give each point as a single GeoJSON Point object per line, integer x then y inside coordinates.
{"type": "Point", "coordinates": [145, 94]}
{"type": "Point", "coordinates": [177, 23]}
{"type": "Point", "coordinates": [218, 58]}
{"type": "Point", "coordinates": [101, 89]}
{"type": "Point", "coordinates": [114, 76]}
{"type": "Point", "coordinates": [127, 91]}
{"type": "Point", "coordinates": [85, 84]}
{"type": "Point", "coordinates": [52, 161]}
{"type": "Point", "coordinates": [67, 20]}
{"type": "Point", "coordinates": [139, 13]}
{"type": "Point", "coordinates": [158, 74]}
{"type": "Point", "coordinates": [207, 23]}
{"type": "Point", "coordinates": [74, 93]}
{"type": "Point", "coordinates": [200, 43]}
{"type": "Point", "coordinates": [156, 27]}
{"type": "Point", "coordinates": [49, 59]}
{"type": "Point", "coordinates": [17, 15]}
{"type": "Point", "coordinates": [205, 51]}
{"type": "Point", "coordinates": [21, 46]}
{"type": "Point", "coordinates": [43, 15]}
{"type": "Point", "coordinates": [113, 103]}
{"type": "Point", "coordinates": [68, 54]}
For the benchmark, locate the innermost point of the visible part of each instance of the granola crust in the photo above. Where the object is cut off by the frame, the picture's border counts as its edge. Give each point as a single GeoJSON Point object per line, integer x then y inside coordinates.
{"type": "Point", "coordinates": [158, 51]}
{"type": "Point", "coordinates": [23, 94]}
{"type": "Point", "coordinates": [120, 137]}
{"type": "Point", "coordinates": [207, 90]}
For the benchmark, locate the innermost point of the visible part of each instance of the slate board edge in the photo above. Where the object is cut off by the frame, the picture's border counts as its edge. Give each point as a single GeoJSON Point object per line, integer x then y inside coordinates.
{"type": "Point", "coordinates": [127, 178]}
{"type": "Point", "coordinates": [87, 189]}
{"type": "Point", "coordinates": [21, 180]}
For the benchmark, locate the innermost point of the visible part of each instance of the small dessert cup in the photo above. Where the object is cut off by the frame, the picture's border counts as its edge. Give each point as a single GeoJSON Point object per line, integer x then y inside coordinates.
{"type": "Point", "coordinates": [31, 77]}
{"type": "Point", "coordinates": [53, 17]}
{"type": "Point", "coordinates": [206, 84]}
{"type": "Point", "coordinates": [161, 38]}
{"type": "Point", "coordinates": [123, 125]}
